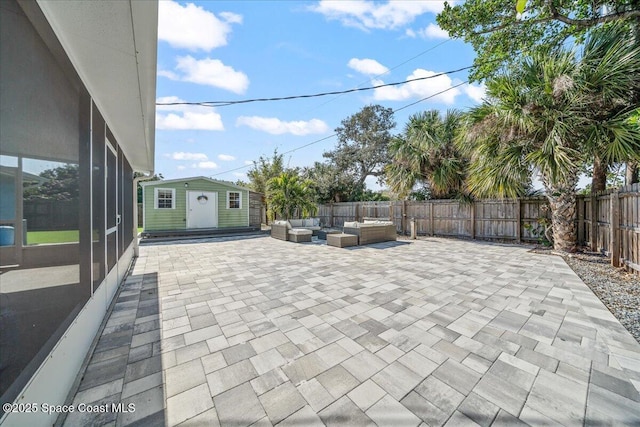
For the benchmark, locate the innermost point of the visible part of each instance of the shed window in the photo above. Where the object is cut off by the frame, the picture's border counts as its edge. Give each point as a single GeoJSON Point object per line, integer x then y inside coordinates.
{"type": "Point", "coordinates": [234, 200]}
{"type": "Point", "coordinates": [165, 198]}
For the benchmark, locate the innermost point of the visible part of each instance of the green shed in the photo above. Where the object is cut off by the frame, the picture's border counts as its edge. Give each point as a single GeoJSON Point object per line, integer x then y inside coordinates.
{"type": "Point", "coordinates": [194, 203]}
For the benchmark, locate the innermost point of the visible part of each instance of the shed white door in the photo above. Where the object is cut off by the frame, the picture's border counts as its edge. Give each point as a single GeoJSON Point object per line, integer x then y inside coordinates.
{"type": "Point", "coordinates": [202, 209]}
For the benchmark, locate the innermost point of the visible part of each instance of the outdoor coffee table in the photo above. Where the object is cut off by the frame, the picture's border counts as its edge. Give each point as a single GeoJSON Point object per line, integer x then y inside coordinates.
{"type": "Point", "coordinates": [341, 240]}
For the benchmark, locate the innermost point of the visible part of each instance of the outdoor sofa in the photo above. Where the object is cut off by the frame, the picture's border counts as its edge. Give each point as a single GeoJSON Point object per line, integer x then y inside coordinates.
{"type": "Point", "coordinates": [312, 224]}
{"type": "Point", "coordinates": [295, 230]}
{"type": "Point", "coordinates": [371, 231]}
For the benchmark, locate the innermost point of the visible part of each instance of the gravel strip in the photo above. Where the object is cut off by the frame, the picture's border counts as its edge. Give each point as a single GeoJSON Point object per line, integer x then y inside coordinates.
{"type": "Point", "coordinates": [616, 288]}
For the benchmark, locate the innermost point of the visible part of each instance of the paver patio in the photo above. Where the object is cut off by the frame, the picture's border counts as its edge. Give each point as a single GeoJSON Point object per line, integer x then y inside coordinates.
{"type": "Point", "coordinates": [428, 332]}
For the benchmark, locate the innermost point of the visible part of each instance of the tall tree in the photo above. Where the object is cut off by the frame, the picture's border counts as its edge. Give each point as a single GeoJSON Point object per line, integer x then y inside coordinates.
{"type": "Point", "coordinates": [425, 153]}
{"type": "Point", "coordinates": [60, 183]}
{"type": "Point", "coordinates": [500, 36]}
{"type": "Point", "coordinates": [331, 184]}
{"type": "Point", "coordinates": [290, 196]}
{"type": "Point", "coordinates": [610, 54]}
{"type": "Point", "coordinates": [363, 141]}
{"type": "Point", "coordinates": [263, 170]}
{"type": "Point", "coordinates": [523, 127]}
{"type": "Point", "coordinates": [541, 116]}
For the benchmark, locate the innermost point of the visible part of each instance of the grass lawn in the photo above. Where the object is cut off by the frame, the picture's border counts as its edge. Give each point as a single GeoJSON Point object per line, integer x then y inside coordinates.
{"type": "Point", "coordinates": [59, 236]}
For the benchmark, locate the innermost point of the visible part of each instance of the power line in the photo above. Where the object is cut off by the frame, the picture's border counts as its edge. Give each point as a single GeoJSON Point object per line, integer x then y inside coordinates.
{"type": "Point", "coordinates": [315, 95]}
{"type": "Point", "coordinates": [335, 134]}
{"type": "Point", "coordinates": [389, 70]}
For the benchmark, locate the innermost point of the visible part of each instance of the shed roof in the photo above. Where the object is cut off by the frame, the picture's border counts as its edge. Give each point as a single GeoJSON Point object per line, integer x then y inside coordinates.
{"type": "Point", "coordinates": [193, 178]}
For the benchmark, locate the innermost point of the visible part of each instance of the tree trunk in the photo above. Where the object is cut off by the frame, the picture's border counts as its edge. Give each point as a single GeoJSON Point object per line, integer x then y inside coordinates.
{"type": "Point", "coordinates": [562, 202]}
{"type": "Point", "coordinates": [631, 173]}
{"type": "Point", "coordinates": [599, 178]}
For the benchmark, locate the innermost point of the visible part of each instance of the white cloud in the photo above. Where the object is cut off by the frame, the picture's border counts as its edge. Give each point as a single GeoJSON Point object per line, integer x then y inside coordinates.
{"type": "Point", "coordinates": [431, 31]}
{"type": "Point", "coordinates": [418, 89]}
{"type": "Point", "coordinates": [191, 27]}
{"type": "Point", "coordinates": [181, 167]}
{"type": "Point", "coordinates": [248, 162]}
{"type": "Point", "coordinates": [367, 66]}
{"type": "Point", "coordinates": [231, 18]}
{"type": "Point", "coordinates": [240, 175]}
{"type": "Point", "coordinates": [476, 92]}
{"type": "Point", "coordinates": [180, 155]}
{"type": "Point", "coordinates": [168, 74]}
{"type": "Point", "coordinates": [276, 126]}
{"type": "Point", "coordinates": [186, 117]}
{"type": "Point", "coordinates": [210, 72]}
{"type": "Point", "coordinates": [204, 165]}
{"type": "Point", "coordinates": [226, 157]}
{"type": "Point", "coordinates": [189, 121]}
{"type": "Point", "coordinates": [367, 15]}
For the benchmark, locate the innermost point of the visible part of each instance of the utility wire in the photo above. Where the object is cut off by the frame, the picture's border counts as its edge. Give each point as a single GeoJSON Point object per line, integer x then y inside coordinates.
{"type": "Point", "coordinates": [315, 95]}
{"type": "Point", "coordinates": [389, 70]}
{"type": "Point", "coordinates": [335, 134]}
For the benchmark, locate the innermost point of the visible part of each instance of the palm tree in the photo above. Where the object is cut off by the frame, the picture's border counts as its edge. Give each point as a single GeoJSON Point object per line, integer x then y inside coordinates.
{"type": "Point", "coordinates": [541, 117]}
{"type": "Point", "coordinates": [610, 74]}
{"type": "Point", "coordinates": [288, 196]}
{"type": "Point", "coordinates": [528, 124]}
{"type": "Point", "coordinates": [426, 153]}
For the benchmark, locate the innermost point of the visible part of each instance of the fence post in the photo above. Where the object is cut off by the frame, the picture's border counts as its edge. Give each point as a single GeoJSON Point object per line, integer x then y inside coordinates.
{"type": "Point", "coordinates": [614, 229]}
{"type": "Point", "coordinates": [593, 225]}
{"type": "Point", "coordinates": [431, 218]}
{"type": "Point", "coordinates": [518, 220]}
{"type": "Point", "coordinates": [331, 214]}
{"type": "Point", "coordinates": [580, 212]}
{"type": "Point", "coordinates": [473, 219]}
{"type": "Point", "coordinates": [403, 220]}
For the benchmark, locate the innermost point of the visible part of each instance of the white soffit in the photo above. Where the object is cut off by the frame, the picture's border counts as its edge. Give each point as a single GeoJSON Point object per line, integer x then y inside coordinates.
{"type": "Point", "coordinates": [113, 46]}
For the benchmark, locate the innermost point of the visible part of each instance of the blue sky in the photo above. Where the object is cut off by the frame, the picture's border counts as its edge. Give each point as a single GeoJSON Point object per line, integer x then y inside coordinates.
{"type": "Point", "coordinates": [227, 51]}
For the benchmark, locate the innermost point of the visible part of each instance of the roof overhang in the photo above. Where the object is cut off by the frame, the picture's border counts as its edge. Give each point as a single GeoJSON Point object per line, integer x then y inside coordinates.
{"type": "Point", "coordinates": [194, 178]}
{"type": "Point", "coordinates": [113, 46]}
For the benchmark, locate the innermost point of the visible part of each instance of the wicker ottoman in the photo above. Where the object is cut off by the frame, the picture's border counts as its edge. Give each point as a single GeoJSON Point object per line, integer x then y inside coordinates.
{"type": "Point", "coordinates": [342, 240]}
{"type": "Point", "coordinates": [322, 234]}
{"type": "Point", "coordinates": [299, 235]}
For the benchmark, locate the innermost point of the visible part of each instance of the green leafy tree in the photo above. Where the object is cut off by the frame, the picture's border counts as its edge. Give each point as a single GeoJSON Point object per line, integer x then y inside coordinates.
{"type": "Point", "coordinates": [60, 183]}
{"type": "Point", "coordinates": [501, 36]}
{"type": "Point", "coordinates": [288, 196]}
{"type": "Point", "coordinates": [539, 118]}
{"type": "Point", "coordinates": [426, 153]}
{"type": "Point", "coordinates": [263, 170]}
{"type": "Point", "coordinates": [363, 141]}
{"type": "Point", "coordinates": [610, 54]}
{"type": "Point", "coordinates": [331, 184]}
{"type": "Point", "coordinates": [523, 128]}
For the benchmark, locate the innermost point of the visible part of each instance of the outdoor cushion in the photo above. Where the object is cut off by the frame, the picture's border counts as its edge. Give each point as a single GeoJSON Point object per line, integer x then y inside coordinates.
{"type": "Point", "coordinates": [296, 222]}
{"type": "Point", "coordinates": [352, 224]}
{"type": "Point", "coordinates": [300, 231]}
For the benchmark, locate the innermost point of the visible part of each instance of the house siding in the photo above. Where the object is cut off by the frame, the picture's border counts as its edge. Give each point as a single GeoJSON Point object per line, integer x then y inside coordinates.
{"type": "Point", "coordinates": [176, 219]}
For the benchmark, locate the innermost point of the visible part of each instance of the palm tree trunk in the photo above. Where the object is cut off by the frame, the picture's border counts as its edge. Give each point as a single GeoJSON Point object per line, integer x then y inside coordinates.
{"type": "Point", "coordinates": [562, 202]}
{"type": "Point", "coordinates": [631, 173]}
{"type": "Point", "coordinates": [599, 177]}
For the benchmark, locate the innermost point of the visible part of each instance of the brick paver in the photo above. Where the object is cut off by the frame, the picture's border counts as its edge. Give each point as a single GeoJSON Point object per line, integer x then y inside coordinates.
{"type": "Point", "coordinates": [236, 331]}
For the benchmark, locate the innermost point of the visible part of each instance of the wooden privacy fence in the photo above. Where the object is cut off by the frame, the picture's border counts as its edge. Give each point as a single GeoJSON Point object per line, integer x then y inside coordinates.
{"type": "Point", "coordinates": [518, 220]}
{"type": "Point", "coordinates": [616, 228]}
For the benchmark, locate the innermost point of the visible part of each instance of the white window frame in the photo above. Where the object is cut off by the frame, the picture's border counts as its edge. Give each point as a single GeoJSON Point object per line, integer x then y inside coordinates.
{"type": "Point", "coordinates": [155, 197]}
{"type": "Point", "coordinates": [229, 200]}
